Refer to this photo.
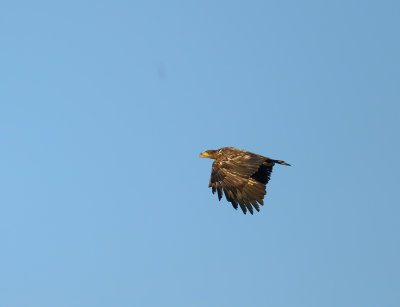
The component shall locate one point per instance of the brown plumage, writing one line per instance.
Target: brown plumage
(241, 175)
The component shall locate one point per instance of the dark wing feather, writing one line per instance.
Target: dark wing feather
(242, 178)
(263, 173)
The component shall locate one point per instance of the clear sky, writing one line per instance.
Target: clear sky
(105, 107)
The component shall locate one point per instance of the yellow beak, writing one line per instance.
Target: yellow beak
(204, 155)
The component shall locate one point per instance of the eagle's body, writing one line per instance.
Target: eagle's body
(241, 175)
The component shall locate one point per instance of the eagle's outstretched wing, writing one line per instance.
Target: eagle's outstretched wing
(242, 178)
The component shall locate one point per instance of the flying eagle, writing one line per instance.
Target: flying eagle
(241, 175)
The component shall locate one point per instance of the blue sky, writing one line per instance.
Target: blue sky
(105, 107)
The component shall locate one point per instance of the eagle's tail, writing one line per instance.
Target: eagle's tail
(281, 162)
